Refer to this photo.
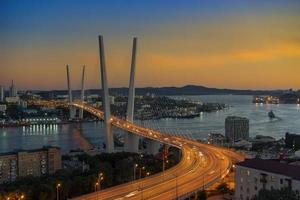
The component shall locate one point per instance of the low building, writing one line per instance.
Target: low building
(216, 139)
(13, 100)
(2, 91)
(36, 162)
(236, 128)
(242, 144)
(3, 108)
(41, 120)
(263, 139)
(255, 174)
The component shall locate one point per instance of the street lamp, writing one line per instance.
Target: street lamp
(57, 192)
(176, 186)
(98, 183)
(134, 169)
(96, 186)
(141, 189)
(142, 168)
(100, 178)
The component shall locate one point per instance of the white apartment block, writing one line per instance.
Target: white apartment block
(256, 174)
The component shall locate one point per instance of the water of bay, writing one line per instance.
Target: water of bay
(87, 135)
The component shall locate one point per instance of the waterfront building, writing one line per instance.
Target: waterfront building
(255, 174)
(36, 162)
(236, 128)
(262, 139)
(40, 119)
(2, 108)
(13, 90)
(216, 139)
(242, 144)
(13, 100)
(1, 93)
(23, 104)
(112, 100)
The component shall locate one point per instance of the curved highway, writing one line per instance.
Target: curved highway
(201, 165)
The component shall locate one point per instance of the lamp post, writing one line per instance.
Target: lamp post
(96, 186)
(134, 170)
(164, 164)
(141, 168)
(176, 185)
(57, 191)
(100, 178)
(141, 188)
(220, 173)
(203, 182)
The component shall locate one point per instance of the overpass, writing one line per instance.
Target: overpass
(201, 165)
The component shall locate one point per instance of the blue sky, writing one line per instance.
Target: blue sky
(41, 35)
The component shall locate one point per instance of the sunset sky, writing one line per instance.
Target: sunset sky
(216, 43)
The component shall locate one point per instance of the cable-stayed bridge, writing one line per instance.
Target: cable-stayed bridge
(201, 165)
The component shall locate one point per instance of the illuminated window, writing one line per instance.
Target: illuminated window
(273, 178)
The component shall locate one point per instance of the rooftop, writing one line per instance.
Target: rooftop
(44, 148)
(273, 166)
(236, 118)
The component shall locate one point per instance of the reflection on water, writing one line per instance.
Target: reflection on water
(66, 136)
(86, 135)
(40, 129)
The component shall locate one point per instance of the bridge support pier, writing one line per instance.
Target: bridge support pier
(152, 146)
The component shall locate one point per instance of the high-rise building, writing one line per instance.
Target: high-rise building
(13, 90)
(1, 93)
(36, 162)
(236, 128)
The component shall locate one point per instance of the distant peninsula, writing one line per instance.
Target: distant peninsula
(185, 90)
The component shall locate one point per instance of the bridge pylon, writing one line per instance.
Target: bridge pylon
(71, 109)
(82, 91)
(105, 99)
(131, 140)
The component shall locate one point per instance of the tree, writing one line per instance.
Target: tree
(201, 195)
(281, 194)
(223, 188)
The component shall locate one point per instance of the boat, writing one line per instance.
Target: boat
(271, 114)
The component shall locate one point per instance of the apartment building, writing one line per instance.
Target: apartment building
(36, 162)
(255, 174)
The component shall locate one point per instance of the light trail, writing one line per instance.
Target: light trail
(201, 165)
(188, 176)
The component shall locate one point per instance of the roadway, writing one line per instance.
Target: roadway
(201, 165)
